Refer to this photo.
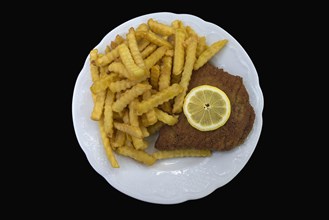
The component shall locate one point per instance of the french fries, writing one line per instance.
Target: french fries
(187, 73)
(140, 82)
(206, 55)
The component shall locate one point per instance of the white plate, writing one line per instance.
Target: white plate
(174, 180)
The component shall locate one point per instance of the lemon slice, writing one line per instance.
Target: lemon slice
(207, 108)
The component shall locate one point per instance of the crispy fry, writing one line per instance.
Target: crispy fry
(177, 24)
(155, 128)
(132, 43)
(102, 84)
(158, 98)
(179, 52)
(129, 95)
(119, 68)
(138, 155)
(98, 106)
(129, 63)
(154, 57)
(108, 114)
(149, 118)
(142, 27)
(164, 80)
(138, 143)
(93, 68)
(108, 58)
(108, 48)
(160, 28)
(206, 55)
(155, 73)
(153, 38)
(190, 32)
(102, 72)
(187, 73)
(181, 153)
(169, 53)
(122, 85)
(142, 44)
(131, 130)
(119, 140)
(107, 146)
(165, 118)
(119, 39)
(148, 50)
(202, 46)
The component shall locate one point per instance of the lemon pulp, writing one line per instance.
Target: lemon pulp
(207, 108)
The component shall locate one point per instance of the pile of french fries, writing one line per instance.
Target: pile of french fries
(139, 84)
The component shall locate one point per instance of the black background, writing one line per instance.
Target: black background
(286, 176)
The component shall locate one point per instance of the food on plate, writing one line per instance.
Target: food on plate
(183, 136)
(139, 84)
(207, 108)
(181, 153)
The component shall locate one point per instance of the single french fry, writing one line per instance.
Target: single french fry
(148, 50)
(153, 38)
(119, 39)
(155, 73)
(158, 98)
(160, 28)
(164, 80)
(118, 67)
(131, 130)
(108, 114)
(93, 68)
(103, 83)
(206, 55)
(142, 27)
(142, 44)
(119, 140)
(169, 53)
(107, 145)
(165, 118)
(191, 32)
(129, 63)
(108, 58)
(154, 57)
(98, 106)
(181, 153)
(102, 72)
(132, 43)
(122, 85)
(138, 143)
(177, 24)
(179, 53)
(138, 155)
(149, 118)
(108, 48)
(202, 46)
(129, 95)
(187, 73)
(155, 128)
